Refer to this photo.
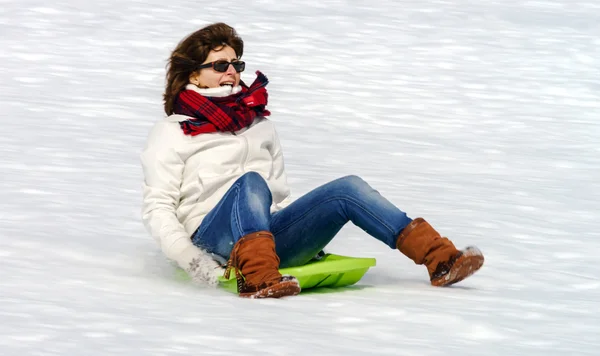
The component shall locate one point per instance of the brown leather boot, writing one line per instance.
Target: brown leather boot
(257, 268)
(446, 265)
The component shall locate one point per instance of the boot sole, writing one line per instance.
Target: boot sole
(281, 289)
(465, 265)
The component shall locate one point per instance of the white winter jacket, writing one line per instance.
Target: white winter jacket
(186, 176)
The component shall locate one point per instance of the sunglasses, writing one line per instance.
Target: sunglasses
(221, 66)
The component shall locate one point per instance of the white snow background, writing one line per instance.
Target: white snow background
(481, 116)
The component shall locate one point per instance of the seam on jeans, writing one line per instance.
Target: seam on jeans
(236, 213)
(391, 230)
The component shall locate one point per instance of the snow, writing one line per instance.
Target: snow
(481, 116)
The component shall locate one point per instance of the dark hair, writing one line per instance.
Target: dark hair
(192, 51)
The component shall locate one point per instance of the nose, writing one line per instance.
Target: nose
(230, 69)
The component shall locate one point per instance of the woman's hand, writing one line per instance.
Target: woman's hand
(204, 270)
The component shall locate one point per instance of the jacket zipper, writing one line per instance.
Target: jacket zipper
(245, 155)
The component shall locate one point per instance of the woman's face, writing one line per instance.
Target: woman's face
(210, 78)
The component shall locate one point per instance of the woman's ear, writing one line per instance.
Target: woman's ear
(193, 78)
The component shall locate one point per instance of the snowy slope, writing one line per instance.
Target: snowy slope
(481, 116)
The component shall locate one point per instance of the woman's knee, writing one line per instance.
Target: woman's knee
(351, 186)
(255, 183)
(353, 183)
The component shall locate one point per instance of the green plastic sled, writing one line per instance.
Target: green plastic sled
(330, 271)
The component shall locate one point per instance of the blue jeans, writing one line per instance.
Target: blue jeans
(303, 228)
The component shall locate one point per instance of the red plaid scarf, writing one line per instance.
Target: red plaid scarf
(225, 114)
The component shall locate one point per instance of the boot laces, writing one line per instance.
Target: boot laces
(232, 263)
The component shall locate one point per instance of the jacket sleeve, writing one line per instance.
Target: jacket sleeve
(163, 172)
(281, 198)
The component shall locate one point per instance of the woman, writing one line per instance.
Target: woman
(216, 192)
